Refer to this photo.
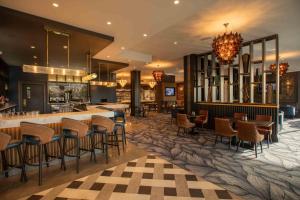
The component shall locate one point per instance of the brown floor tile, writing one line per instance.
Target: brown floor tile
(149, 165)
(97, 186)
(223, 194)
(169, 177)
(168, 166)
(120, 188)
(75, 184)
(106, 173)
(131, 164)
(190, 177)
(147, 176)
(126, 174)
(196, 193)
(170, 191)
(144, 190)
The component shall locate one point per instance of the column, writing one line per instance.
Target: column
(135, 92)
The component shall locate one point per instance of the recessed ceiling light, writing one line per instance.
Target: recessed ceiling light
(145, 35)
(175, 43)
(35, 57)
(123, 48)
(108, 23)
(1, 52)
(176, 2)
(65, 46)
(55, 5)
(32, 47)
(107, 56)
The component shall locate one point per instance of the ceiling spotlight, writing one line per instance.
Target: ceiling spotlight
(55, 5)
(176, 2)
(145, 35)
(107, 56)
(123, 48)
(65, 46)
(108, 23)
(175, 43)
(32, 47)
(34, 57)
(1, 52)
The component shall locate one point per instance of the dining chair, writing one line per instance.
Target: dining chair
(202, 118)
(247, 131)
(120, 122)
(239, 116)
(223, 129)
(266, 131)
(184, 124)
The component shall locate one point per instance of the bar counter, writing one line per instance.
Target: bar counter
(11, 126)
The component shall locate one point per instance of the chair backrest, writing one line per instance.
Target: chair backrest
(119, 115)
(43, 132)
(182, 119)
(203, 112)
(223, 127)
(104, 122)
(239, 116)
(75, 126)
(4, 141)
(174, 112)
(266, 118)
(247, 131)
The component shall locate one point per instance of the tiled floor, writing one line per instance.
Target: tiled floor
(275, 174)
(146, 178)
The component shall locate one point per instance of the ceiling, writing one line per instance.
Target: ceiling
(191, 25)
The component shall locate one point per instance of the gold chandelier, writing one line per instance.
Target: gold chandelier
(283, 68)
(152, 84)
(227, 46)
(122, 82)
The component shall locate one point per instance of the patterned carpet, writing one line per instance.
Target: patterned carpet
(146, 178)
(275, 174)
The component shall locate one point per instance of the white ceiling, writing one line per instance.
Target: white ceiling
(192, 24)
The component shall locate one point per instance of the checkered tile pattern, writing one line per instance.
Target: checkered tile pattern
(146, 178)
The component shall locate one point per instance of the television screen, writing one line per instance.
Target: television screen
(170, 91)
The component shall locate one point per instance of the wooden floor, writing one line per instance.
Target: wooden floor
(12, 188)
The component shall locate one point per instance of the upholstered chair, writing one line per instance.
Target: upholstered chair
(76, 130)
(40, 136)
(223, 129)
(184, 124)
(106, 128)
(7, 143)
(247, 131)
(202, 118)
(266, 131)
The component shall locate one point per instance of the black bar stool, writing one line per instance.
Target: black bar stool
(40, 135)
(76, 130)
(107, 128)
(120, 121)
(7, 143)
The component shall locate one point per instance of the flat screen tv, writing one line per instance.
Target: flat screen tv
(169, 91)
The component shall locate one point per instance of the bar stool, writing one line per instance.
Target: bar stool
(120, 121)
(40, 135)
(106, 128)
(76, 130)
(7, 143)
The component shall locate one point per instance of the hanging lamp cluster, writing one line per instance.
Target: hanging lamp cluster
(227, 46)
(158, 75)
(152, 84)
(122, 82)
(283, 68)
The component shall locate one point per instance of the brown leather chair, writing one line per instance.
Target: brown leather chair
(7, 143)
(266, 131)
(202, 118)
(41, 136)
(184, 124)
(223, 129)
(76, 130)
(247, 131)
(239, 116)
(106, 128)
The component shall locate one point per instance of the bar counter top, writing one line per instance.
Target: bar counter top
(56, 117)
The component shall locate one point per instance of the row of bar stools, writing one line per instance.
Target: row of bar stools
(120, 121)
(76, 130)
(106, 128)
(7, 143)
(41, 136)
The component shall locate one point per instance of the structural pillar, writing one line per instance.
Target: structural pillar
(135, 92)
(190, 64)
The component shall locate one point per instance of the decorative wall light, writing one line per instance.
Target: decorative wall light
(283, 68)
(152, 84)
(122, 82)
(227, 46)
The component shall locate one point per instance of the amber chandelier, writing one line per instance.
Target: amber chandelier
(283, 68)
(158, 75)
(227, 46)
(152, 84)
(122, 82)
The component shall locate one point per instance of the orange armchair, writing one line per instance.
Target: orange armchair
(202, 118)
(223, 129)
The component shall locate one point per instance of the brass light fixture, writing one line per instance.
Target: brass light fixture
(283, 68)
(158, 74)
(227, 46)
(103, 83)
(91, 75)
(122, 82)
(152, 84)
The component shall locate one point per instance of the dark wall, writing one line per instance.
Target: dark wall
(17, 77)
(290, 89)
(3, 77)
(100, 92)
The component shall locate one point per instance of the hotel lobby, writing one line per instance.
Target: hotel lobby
(139, 99)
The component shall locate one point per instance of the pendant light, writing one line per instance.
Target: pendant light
(158, 74)
(91, 75)
(152, 84)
